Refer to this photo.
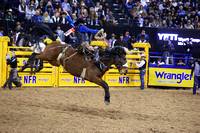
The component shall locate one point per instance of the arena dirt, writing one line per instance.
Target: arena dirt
(82, 109)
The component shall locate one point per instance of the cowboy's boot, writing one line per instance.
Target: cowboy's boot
(23, 67)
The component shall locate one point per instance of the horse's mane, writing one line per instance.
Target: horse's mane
(112, 52)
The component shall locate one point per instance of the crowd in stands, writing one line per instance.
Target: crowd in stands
(147, 13)
(183, 14)
(95, 13)
(165, 13)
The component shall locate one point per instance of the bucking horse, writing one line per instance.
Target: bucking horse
(79, 65)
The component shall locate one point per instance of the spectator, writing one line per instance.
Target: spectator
(30, 13)
(55, 18)
(104, 21)
(127, 36)
(146, 22)
(66, 5)
(189, 25)
(1, 31)
(193, 22)
(133, 12)
(142, 37)
(142, 68)
(63, 19)
(180, 63)
(56, 5)
(32, 2)
(181, 25)
(129, 6)
(60, 33)
(13, 72)
(92, 15)
(131, 41)
(37, 17)
(111, 42)
(89, 3)
(12, 36)
(198, 26)
(72, 40)
(188, 50)
(50, 11)
(168, 51)
(158, 21)
(109, 16)
(9, 15)
(164, 24)
(141, 9)
(111, 22)
(88, 21)
(140, 20)
(174, 21)
(153, 24)
(22, 11)
(74, 18)
(181, 12)
(171, 25)
(99, 14)
(96, 22)
(158, 62)
(75, 9)
(196, 70)
(121, 42)
(42, 7)
(97, 7)
(46, 18)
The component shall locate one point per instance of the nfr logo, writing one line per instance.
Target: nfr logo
(78, 80)
(29, 79)
(123, 80)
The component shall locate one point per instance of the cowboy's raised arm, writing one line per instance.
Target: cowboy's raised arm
(86, 30)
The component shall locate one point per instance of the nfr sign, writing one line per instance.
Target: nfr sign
(29, 79)
(124, 80)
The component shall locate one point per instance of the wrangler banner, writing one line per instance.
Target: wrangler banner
(170, 77)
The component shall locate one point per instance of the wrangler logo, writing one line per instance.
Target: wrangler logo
(173, 76)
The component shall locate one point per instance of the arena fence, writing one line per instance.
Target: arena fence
(56, 76)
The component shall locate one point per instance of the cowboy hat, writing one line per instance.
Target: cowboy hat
(79, 20)
(113, 35)
(9, 10)
(142, 55)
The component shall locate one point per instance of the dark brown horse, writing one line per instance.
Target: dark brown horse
(74, 63)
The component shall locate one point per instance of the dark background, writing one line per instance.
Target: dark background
(156, 45)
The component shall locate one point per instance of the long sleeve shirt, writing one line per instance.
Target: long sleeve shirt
(141, 63)
(12, 62)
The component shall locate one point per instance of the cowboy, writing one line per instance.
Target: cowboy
(13, 72)
(81, 32)
(142, 68)
(38, 49)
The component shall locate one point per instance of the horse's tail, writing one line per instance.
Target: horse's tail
(40, 29)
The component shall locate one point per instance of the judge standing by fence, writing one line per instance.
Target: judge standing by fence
(142, 68)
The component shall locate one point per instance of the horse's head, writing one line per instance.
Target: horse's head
(119, 55)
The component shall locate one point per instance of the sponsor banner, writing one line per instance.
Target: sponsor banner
(70, 80)
(37, 80)
(170, 77)
(123, 80)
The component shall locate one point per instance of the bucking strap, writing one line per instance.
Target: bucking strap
(61, 55)
(85, 68)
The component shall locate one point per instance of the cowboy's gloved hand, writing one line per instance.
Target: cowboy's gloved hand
(101, 30)
(7, 56)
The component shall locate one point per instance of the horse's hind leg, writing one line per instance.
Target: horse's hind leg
(105, 86)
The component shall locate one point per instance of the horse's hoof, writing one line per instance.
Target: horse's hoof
(107, 103)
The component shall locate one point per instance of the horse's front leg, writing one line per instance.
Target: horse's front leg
(105, 86)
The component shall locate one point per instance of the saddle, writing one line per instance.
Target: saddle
(86, 52)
